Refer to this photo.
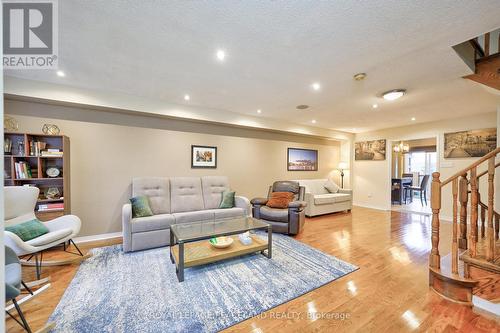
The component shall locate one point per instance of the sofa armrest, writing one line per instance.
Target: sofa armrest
(297, 205)
(126, 227)
(259, 201)
(309, 198)
(242, 202)
(345, 190)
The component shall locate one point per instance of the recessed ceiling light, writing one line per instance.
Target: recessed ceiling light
(316, 86)
(187, 97)
(61, 74)
(313, 121)
(221, 55)
(302, 107)
(375, 106)
(413, 119)
(259, 111)
(392, 95)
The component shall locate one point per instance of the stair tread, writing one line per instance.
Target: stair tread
(480, 258)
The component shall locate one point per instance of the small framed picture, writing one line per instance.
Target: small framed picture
(302, 159)
(203, 157)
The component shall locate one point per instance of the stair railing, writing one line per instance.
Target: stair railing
(462, 238)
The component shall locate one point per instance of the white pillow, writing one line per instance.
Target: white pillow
(331, 187)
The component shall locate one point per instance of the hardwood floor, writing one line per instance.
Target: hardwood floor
(389, 293)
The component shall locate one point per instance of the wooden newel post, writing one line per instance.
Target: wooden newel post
(434, 257)
(463, 197)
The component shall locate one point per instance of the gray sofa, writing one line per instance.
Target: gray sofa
(175, 200)
(320, 201)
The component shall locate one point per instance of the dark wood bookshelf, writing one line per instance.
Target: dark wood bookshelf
(38, 166)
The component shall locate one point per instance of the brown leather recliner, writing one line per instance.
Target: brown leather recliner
(287, 220)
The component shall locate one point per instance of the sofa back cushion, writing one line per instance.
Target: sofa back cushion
(186, 194)
(212, 187)
(157, 189)
(314, 186)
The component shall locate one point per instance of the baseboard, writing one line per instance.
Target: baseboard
(486, 305)
(371, 207)
(93, 238)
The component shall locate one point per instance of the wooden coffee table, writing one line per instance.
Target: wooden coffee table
(190, 246)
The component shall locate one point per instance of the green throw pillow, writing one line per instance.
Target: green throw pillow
(140, 207)
(227, 200)
(28, 230)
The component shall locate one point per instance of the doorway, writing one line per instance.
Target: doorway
(413, 162)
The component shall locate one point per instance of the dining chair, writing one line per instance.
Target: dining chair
(422, 189)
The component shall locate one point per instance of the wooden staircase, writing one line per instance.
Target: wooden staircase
(473, 266)
(482, 55)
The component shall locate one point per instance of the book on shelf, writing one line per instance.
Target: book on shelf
(23, 170)
(50, 207)
(51, 152)
(35, 147)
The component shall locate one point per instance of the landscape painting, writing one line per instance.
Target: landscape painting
(302, 159)
(370, 150)
(475, 143)
(203, 157)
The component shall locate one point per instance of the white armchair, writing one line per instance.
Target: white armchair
(20, 202)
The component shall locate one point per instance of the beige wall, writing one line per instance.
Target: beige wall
(372, 179)
(108, 149)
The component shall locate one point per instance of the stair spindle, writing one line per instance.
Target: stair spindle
(464, 198)
(497, 226)
(474, 213)
(483, 218)
(454, 244)
(490, 245)
(434, 257)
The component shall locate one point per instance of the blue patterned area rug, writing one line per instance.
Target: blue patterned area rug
(139, 292)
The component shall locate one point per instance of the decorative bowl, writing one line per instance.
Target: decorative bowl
(221, 242)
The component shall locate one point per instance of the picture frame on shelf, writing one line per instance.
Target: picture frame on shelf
(203, 157)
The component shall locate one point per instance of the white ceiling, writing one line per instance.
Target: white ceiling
(161, 50)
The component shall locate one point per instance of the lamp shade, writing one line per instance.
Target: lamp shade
(343, 165)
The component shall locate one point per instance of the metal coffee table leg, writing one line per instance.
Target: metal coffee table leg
(171, 246)
(269, 242)
(180, 264)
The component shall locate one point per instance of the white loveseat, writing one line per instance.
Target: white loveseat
(320, 201)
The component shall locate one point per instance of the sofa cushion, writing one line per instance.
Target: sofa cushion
(28, 230)
(194, 216)
(274, 214)
(227, 200)
(212, 187)
(149, 223)
(51, 237)
(322, 199)
(157, 189)
(280, 199)
(140, 206)
(314, 186)
(186, 194)
(331, 186)
(228, 213)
